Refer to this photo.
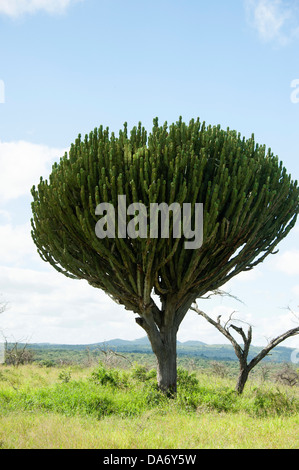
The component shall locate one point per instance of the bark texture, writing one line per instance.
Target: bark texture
(161, 327)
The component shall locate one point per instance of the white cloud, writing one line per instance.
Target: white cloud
(5, 215)
(16, 245)
(247, 276)
(295, 290)
(45, 306)
(195, 327)
(274, 20)
(22, 163)
(263, 329)
(288, 262)
(14, 8)
(279, 324)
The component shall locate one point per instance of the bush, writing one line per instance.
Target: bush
(225, 400)
(75, 397)
(47, 363)
(153, 395)
(65, 376)
(219, 369)
(142, 374)
(186, 381)
(267, 403)
(112, 377)
(287, 376)
(201, 398)
(117, 392)
(187, 389)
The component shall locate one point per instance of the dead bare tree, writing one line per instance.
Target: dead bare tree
(242, 352)
(111, 356)
(18, 354)
(287, 376)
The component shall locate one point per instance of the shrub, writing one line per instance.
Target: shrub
(65, 376)
(274, 402)
(287, 376)
(187, 390)
(219, 369)
(112, 377)
(224, 400)
(47, 363)
(186, 380)
(141, 373)
(153, 395)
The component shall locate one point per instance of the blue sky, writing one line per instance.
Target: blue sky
(68, 66)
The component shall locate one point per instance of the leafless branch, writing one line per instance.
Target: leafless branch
(110, 352)
(242, 353)
(222, 293)
(3, 306)
(293, 313)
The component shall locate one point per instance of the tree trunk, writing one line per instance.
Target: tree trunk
(161, 327)
(242, 379)
(167, 363)
(163, 344)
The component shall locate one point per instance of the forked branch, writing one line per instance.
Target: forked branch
(242, 353)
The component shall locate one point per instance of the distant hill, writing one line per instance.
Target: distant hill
(192, 343)
(144, 341)
(199, 349)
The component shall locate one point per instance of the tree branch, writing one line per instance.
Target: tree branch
(222, 293)
(223, 330)
(274, 342)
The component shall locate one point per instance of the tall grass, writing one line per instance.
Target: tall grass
(151, 430)
(124, 408)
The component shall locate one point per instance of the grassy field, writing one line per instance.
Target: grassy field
(112, 408)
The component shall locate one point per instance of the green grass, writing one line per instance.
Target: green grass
(112, 408)
(151, 430)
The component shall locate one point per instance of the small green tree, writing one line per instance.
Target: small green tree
(249, 200)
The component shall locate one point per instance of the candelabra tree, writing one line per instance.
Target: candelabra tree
(250, 203)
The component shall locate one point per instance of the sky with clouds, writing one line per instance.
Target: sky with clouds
(68, 66)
